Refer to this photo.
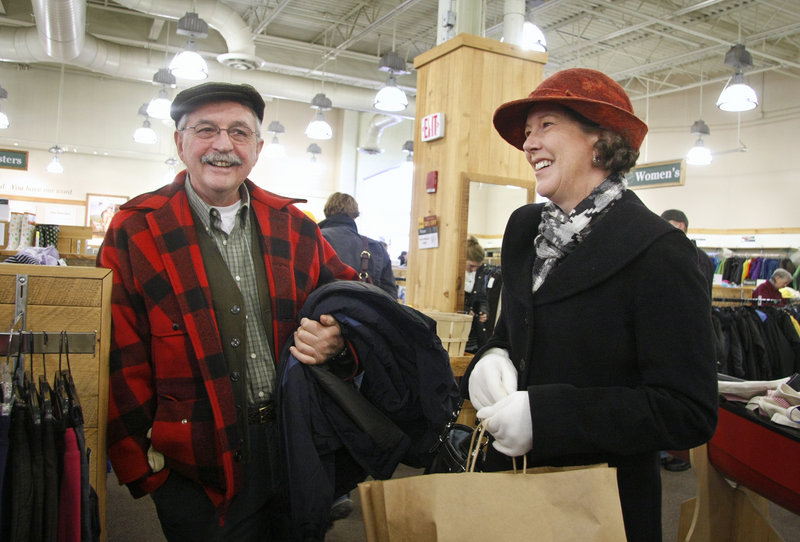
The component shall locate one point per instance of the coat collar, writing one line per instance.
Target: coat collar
(338, 221)
(160, 197)
(626, 231)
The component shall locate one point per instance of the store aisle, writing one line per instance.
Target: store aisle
(129, 520)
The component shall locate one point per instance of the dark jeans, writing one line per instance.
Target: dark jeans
(259, 513)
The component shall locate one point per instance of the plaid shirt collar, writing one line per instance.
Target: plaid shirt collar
(205, 211)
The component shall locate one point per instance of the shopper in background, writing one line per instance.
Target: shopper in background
(770, 289)
(476, 302)
(403, 259)
(678, 219)
(209, 274)
(339, 228)
(602, 352)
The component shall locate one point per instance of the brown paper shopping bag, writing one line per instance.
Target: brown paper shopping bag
(580, 504)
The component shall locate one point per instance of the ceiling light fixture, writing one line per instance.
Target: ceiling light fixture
(319, 128)
(408, 148)
(158, 108)
(391, 97)
(314, 150)
(3, 117)
(172, 164)
(275, 149)
(699, 155)
(55, 165)
(533, 38)
(188, 64)
(145, 134)
(737, 96)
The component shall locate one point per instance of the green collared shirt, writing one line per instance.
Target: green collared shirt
(238, 256)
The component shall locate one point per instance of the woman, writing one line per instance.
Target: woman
(602, 351)
(771, 289)
(476, 302)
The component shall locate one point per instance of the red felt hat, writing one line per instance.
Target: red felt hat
(591, 93)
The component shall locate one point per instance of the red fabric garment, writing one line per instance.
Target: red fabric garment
(767, 290)
(164, 331)
(69, 510)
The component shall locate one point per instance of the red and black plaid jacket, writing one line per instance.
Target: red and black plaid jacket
(167, 370)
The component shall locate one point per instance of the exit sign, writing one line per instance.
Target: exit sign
(433, 127)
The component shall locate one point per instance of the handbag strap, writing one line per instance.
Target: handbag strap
(363, 275)
(475, 446)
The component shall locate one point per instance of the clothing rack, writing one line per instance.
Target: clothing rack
(43, 342)
(745, 300)
(38, 302)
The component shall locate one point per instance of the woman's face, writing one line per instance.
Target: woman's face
(561, 153)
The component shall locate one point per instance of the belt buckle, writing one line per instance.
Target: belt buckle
(264, 413)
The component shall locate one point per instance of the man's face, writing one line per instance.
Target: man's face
(680, 225)
(782, 282)
(219, 165)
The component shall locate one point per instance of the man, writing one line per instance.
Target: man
(678, 219)
(209, 274)
(340, 230)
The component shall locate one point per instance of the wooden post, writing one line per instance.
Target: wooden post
(465, 78)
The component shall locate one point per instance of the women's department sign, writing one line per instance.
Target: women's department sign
(657, 174)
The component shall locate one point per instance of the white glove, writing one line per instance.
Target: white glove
(493, 378)
(509, 421)
(154, 458)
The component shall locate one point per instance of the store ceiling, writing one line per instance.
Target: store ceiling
(652, 47)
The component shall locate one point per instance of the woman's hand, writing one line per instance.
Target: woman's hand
(509, 422)
(493, 378)
(317, 342)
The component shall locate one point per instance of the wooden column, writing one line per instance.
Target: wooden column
(466, 78)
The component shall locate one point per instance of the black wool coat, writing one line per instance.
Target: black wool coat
(615, 351)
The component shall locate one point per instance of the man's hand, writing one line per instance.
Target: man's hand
(316, 342)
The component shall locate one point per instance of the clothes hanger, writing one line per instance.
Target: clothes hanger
(33, 397)
(76, 412)
(62, 403)
(45, 391)
(6, 381)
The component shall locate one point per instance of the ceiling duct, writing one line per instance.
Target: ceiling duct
(235, 32)
(372, 140)
(61, 24)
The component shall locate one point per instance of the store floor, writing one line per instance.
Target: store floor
(129, 520)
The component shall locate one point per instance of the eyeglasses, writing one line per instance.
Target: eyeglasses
(238, 134)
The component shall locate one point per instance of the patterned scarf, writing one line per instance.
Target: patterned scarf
(560, 233)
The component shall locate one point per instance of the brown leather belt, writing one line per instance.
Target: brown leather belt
(261, 414)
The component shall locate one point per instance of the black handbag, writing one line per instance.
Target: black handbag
(452, 448)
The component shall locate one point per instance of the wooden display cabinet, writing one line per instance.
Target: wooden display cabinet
(76, 300)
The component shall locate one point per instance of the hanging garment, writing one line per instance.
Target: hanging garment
(69, 510)
(20, 474)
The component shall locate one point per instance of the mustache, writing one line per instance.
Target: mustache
(229, 157)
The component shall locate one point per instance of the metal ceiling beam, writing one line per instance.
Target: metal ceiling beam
(273, 14)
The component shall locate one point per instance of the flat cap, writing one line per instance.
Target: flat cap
(190, 99)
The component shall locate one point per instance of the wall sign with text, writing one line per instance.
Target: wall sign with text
(13, 159)
(432, 127)
(428, 232)
(657, 174)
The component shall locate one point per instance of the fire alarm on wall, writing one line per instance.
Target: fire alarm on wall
(432, 181)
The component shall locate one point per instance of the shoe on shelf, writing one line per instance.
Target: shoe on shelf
(674, 464)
